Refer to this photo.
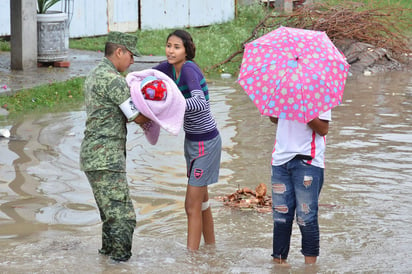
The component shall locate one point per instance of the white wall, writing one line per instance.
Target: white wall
(98, 17)
(203, 13)
(158, 14)
(89, 18)
(123, 15)
(4, 17)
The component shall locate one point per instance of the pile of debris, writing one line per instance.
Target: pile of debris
(247, 199)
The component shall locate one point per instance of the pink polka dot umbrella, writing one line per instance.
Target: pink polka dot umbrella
(293, 74)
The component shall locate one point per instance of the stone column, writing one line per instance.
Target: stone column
(284, 5)
(23, 14)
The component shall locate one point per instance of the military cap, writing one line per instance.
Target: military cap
(124, 39)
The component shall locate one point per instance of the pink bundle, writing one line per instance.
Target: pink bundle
(167, 113)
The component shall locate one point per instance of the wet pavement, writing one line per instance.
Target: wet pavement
(81, 62)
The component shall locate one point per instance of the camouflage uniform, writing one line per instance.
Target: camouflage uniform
(103, 157)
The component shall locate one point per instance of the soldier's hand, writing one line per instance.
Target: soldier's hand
(141, 119)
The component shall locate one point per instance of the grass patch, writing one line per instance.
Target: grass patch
(88, 43)
(4, 45)
(53, 97)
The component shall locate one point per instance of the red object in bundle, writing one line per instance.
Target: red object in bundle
(155, 90)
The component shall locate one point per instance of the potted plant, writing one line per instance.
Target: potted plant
(44, 5)
(52, 33)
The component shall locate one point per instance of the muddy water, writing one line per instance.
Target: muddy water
(49, 221)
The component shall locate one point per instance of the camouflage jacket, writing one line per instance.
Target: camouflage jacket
(104, 143)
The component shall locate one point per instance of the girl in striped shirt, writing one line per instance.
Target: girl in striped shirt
(202, 145)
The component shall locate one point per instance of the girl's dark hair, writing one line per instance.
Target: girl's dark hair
(188, 43)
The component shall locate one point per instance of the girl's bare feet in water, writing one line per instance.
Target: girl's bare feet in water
(281, 262)
(310, 259)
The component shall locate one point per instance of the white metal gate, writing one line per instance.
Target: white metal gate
(98, 17)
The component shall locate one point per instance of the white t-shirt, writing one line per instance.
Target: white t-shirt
(294, 138)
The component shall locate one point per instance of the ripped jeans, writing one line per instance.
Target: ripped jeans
(295, 188)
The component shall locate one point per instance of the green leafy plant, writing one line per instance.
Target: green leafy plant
(44, 5)
(4, 45)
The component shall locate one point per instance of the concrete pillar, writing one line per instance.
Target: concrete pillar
(284, 5)
(289, 6)
(23, 40)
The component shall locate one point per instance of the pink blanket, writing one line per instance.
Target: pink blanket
(167, 114)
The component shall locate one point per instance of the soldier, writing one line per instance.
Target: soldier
(103, 150)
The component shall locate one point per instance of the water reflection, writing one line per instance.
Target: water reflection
(368, 173)
(49, 220)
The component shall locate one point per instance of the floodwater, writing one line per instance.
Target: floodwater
(49, 222)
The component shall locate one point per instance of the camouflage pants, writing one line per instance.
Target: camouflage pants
(111, 192)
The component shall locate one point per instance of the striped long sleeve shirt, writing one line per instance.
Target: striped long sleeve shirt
(199, 123)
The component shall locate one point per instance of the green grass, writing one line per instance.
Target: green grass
(52, 97)
(4, 45)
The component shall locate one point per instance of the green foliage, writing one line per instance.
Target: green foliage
(46, 98)
(88, 43)
(4, 45)
(44, 5)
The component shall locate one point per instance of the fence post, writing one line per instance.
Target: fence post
(284, 5)
(23, 38)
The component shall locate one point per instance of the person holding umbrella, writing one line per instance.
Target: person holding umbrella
(297, 179)
(295, 76)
